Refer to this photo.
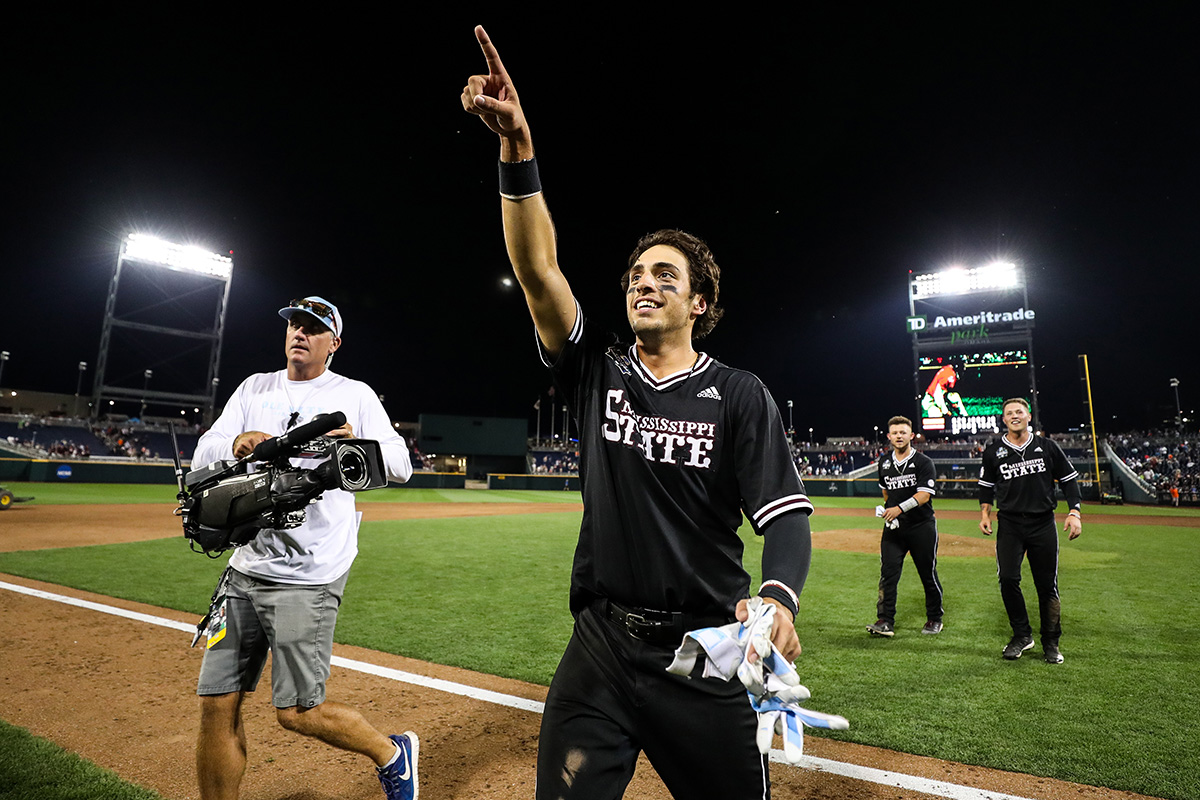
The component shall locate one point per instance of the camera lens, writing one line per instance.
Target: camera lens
(353, 465)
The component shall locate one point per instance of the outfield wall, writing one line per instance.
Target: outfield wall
(566, 483)
(815, 485)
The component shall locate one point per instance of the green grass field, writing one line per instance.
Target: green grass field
(35, 769)
(1118, 713)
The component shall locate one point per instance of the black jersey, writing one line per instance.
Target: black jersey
(903, 479)
(667, 468)
(1020, 480)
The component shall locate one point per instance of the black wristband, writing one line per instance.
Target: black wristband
(519, 179)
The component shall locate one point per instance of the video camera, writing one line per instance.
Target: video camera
(224, 505)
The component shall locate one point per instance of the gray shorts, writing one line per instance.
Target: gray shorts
(294, 622)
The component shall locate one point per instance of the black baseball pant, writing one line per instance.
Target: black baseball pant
(1035, 536)
(921, 540)
(612, 698)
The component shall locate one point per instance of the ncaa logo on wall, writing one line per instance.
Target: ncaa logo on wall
(916, 323)
(64, 471)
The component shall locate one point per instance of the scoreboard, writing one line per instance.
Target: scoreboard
(964, 393)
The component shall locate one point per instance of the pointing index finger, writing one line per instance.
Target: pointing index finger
(495, 65)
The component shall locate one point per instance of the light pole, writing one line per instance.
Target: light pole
(3, 358)
(810, 435)
(210, 409)
(1178, 410)
(876, 434)
(148, 374)
(79, 385)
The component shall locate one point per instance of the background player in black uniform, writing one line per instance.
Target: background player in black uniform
(909, 482)
(1019, 471)
(674, 447)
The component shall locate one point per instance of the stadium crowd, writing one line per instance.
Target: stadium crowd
(833, 461)
(1166, 461)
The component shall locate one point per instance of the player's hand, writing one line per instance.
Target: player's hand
(245, 443)
(492, 97)
(1073, 527)
(890, 514)
(985, 525)
(344, 432)
(783, 630)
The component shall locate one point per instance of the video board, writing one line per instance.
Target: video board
(964, 393)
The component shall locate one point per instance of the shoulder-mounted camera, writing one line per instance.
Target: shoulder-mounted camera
(224, 505)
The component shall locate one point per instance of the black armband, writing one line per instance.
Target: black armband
(787, 553)
(1071, 492)
(519, 179)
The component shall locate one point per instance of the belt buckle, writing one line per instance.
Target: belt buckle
(632, 619)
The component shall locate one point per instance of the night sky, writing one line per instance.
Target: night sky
(822, 155)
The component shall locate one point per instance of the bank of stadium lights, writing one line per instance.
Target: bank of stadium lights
(996, 276)
(184, 258)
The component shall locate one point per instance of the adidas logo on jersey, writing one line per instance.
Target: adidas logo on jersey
(1037, 449)
(711, 393)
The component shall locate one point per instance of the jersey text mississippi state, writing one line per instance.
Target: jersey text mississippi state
(660, 439)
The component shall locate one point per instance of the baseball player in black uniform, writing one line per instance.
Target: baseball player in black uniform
(909, 483)
(674, 447)
(1018, 475)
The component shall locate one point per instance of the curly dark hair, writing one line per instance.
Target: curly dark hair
(703, 273)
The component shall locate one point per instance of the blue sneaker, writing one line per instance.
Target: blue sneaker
(399, 779)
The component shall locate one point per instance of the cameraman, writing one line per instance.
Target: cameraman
(285, 586)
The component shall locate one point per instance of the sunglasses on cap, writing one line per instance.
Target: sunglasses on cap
(313, 307)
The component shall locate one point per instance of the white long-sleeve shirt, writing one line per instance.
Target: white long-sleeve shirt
(323, 548)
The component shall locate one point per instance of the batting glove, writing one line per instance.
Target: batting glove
(771, 682)
(785, 717)
(891, 525)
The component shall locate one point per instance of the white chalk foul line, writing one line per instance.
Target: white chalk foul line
(899, 780)
(441, 685)
(103, 609)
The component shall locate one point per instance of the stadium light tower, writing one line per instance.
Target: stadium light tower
(996, 276)
(198, 272)
(3, 361)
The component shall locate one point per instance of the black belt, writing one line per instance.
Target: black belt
(1027, 514)
(656, 627)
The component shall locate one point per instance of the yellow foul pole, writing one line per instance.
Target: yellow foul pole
(1087, 379)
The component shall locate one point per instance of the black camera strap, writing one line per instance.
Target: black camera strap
(214, 604)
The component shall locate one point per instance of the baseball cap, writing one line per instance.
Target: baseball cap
(317, 307)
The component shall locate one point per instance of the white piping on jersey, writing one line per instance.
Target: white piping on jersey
(703, 360)
(1019, 448)
(577, 330)
(793, 502)
(901, 463)
(574, 336)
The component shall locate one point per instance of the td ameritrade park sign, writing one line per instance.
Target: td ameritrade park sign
(968, 328)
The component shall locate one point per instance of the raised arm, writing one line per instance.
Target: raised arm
(528, 230)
